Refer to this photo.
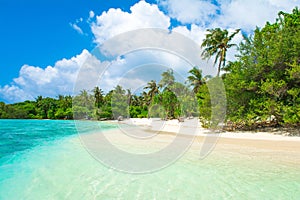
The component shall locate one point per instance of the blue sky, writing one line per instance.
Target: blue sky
(38, 32)
(49, 39)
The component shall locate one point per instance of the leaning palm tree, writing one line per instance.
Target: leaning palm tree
(195, 79)
(153, 90)
(217, 42)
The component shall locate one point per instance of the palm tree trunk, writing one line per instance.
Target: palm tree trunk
(219, 67)
(221, 61)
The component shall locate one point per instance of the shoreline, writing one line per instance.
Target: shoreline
(280, 149)
(176, 127)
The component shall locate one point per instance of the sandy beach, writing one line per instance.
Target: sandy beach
(150, 135)
(193, 127)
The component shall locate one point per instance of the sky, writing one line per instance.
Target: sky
(45, 43)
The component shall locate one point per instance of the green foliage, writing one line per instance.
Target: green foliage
(195, 79)
(119, 102)
(98, 95)
(212, 103)
(204, 105)
(263, 84)
(170, 103)
(42, 108)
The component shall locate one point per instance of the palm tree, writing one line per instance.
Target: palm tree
(217, 43)
(195, 79)
(168, 79)
(144, 99)
(98, 95)
(153, 90)
(129, 96)
(84, 98)
(119, 90)
(135, 100)
(119, 102)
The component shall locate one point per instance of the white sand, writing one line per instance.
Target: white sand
(151, 135)
(193, 126)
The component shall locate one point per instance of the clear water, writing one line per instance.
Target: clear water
(45, 160)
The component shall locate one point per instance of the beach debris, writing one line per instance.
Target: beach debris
(120, 118)
(181, 119)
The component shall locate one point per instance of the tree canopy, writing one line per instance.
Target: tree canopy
(216, 43)
(264, 82)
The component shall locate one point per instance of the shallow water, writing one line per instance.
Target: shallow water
(45, 160)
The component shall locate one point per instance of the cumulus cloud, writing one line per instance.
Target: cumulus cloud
(14, 93)
(116, 21)
(245, 14)
(190, 11)
(51, 81)
(195, 33)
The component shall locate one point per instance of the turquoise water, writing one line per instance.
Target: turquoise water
(45, 160)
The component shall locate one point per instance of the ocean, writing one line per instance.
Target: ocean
(45, 159)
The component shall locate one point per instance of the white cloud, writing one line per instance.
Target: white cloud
(116, 21)
(285, 5)
(190, 11)
(247, 15)
(91, 14)
(51, 81)
(76, 28)
(14, 93)
(196, 33)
